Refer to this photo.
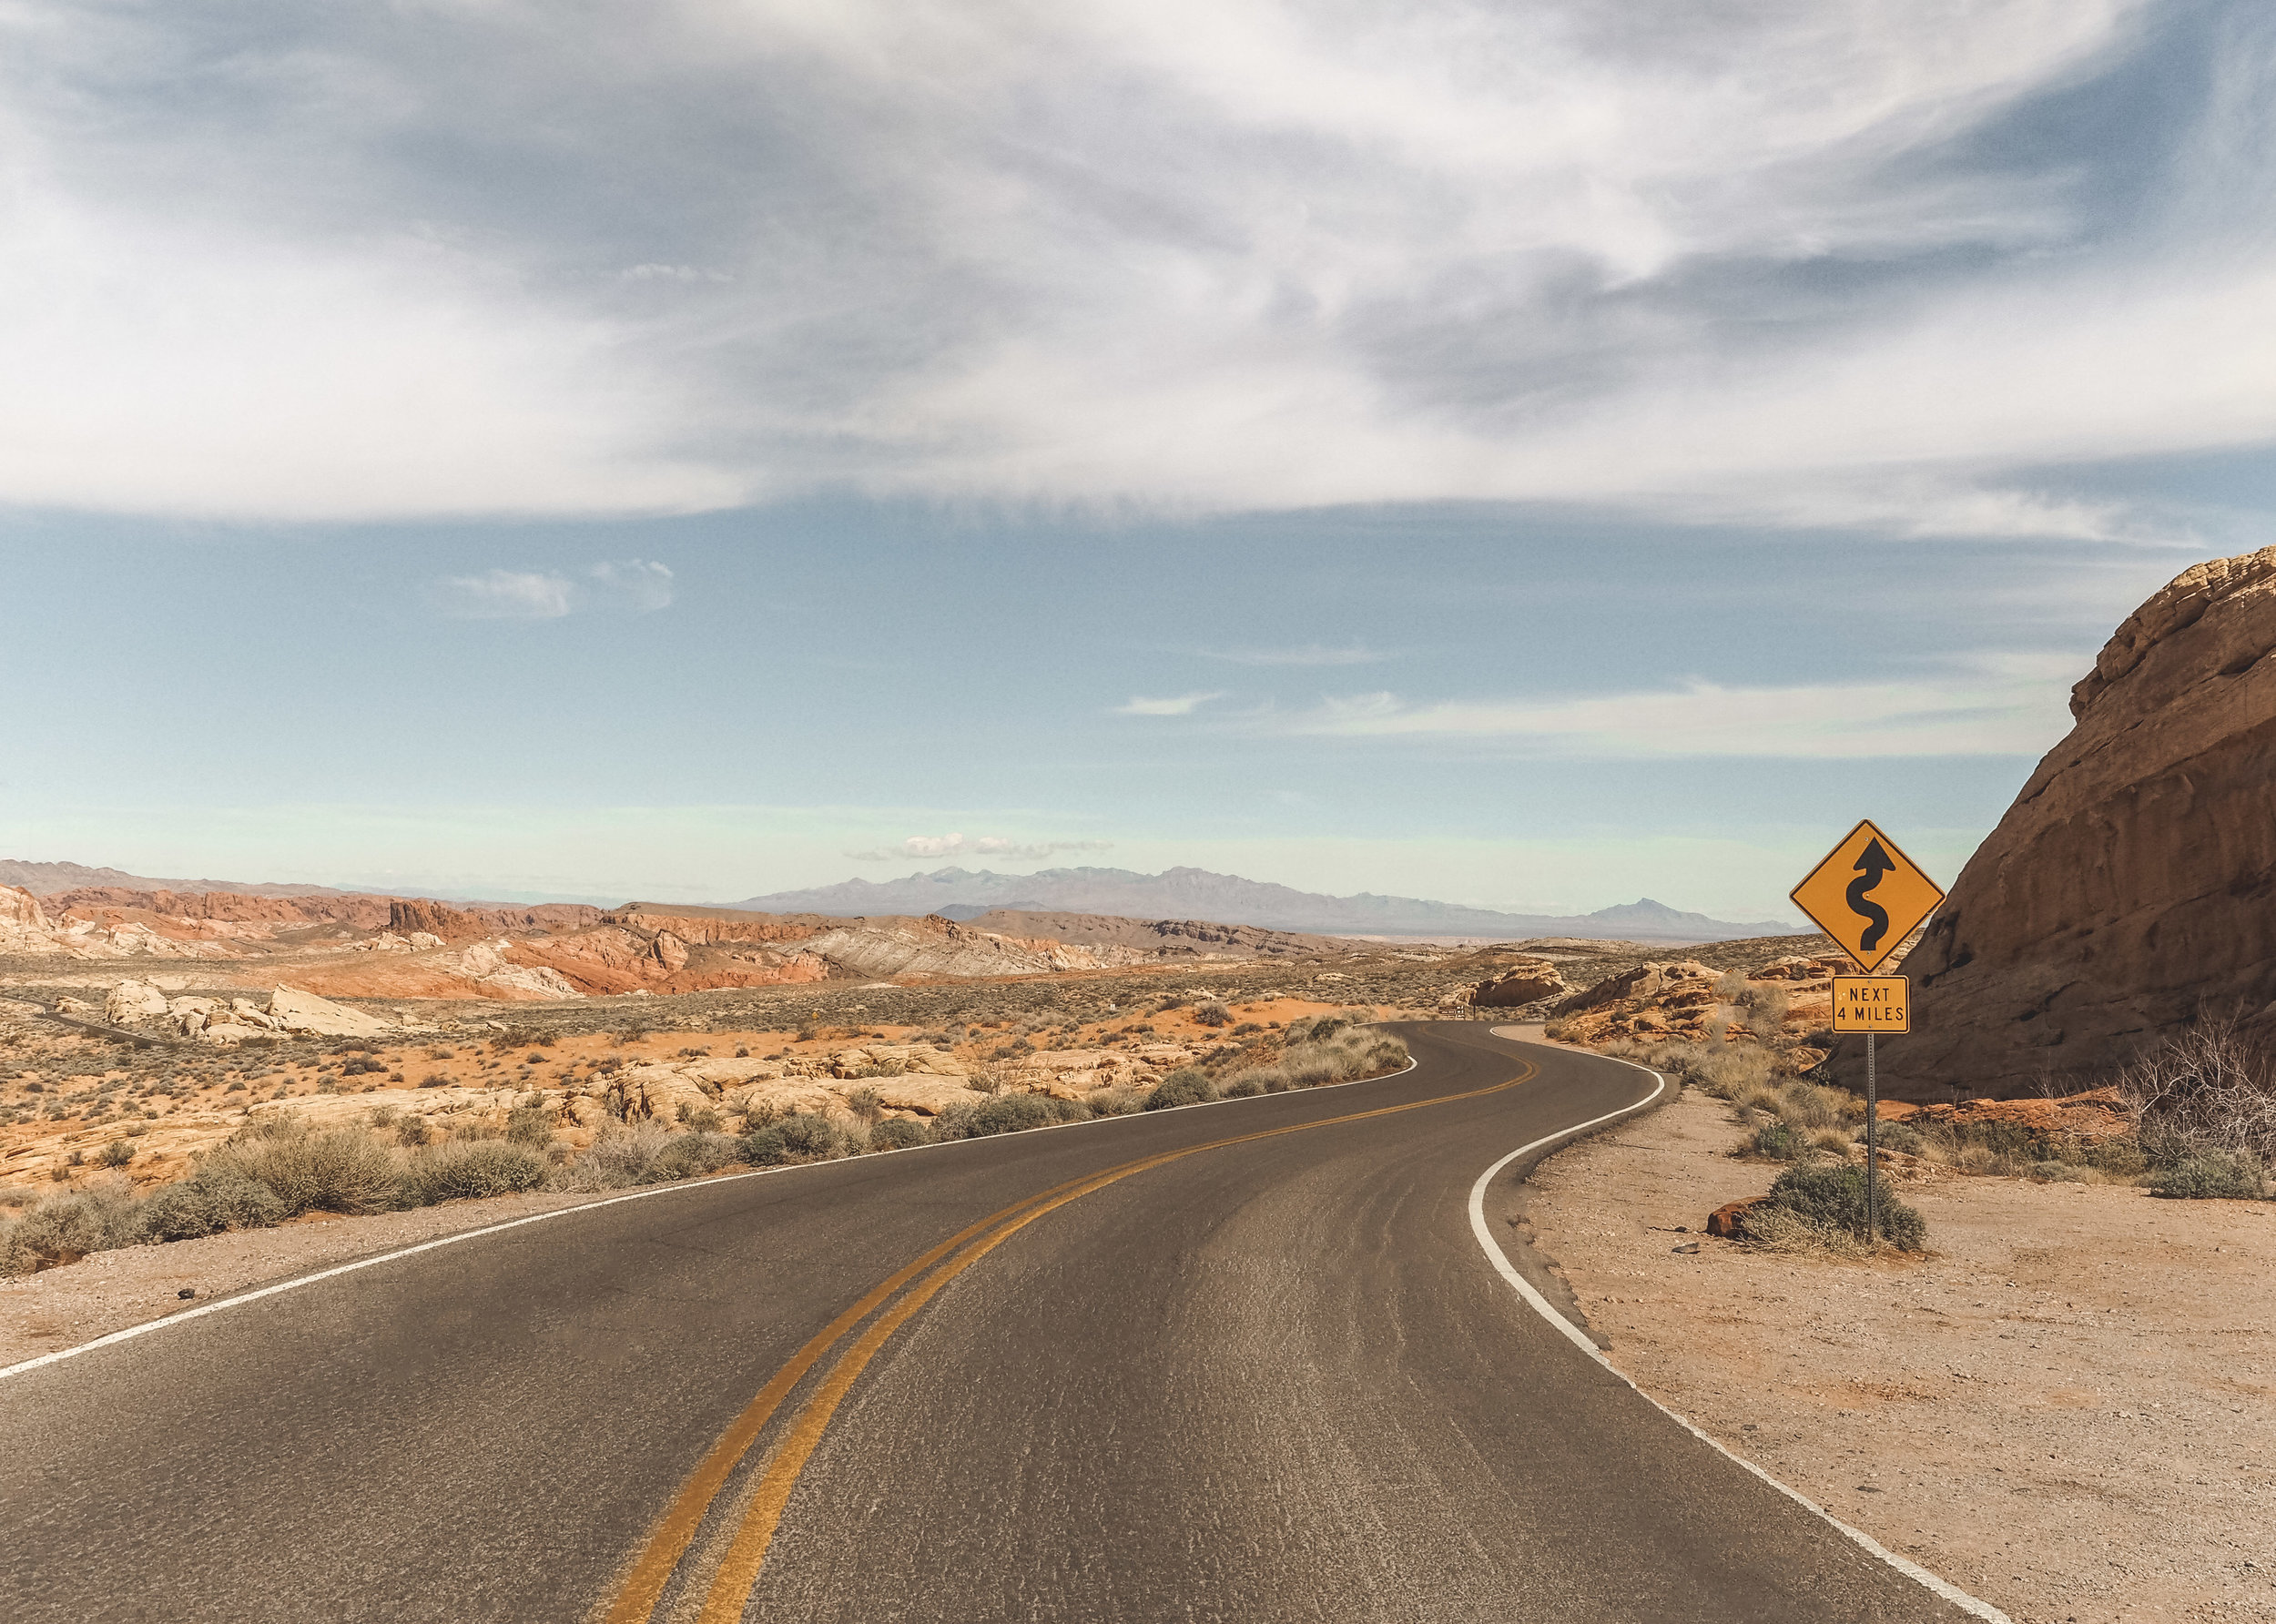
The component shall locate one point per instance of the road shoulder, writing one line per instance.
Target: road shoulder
(111, 1290)
(2063, 1409)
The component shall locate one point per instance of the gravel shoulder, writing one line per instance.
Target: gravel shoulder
(109, 1291)
(2065, 1408)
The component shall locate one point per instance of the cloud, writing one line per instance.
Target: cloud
(1876, 267)
(1310, 654)
(986, 846)
(2000, 706)
(1184, 704)
(505, 595)
(639, 584)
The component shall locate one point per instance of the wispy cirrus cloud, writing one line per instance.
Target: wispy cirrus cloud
(1998, 706)
(639, 584)
(505, 595)
(984, 846)
(1181, 705)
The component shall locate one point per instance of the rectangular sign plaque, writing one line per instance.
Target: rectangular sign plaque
(1871, 1004)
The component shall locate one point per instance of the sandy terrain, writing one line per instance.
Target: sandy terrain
(2065, 1408)
(60, 1308)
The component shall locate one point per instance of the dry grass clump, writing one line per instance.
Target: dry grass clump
(1329, 1050)
(65, 1228)
(1822, 1208)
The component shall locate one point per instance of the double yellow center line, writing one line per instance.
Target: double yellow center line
(737, 1574)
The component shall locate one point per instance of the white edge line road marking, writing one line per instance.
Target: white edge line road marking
(185, 1315)
(1579, 1339)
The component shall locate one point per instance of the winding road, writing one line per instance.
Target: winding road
(1256, 1361)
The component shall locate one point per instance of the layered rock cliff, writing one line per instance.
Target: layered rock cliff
(2133, 882)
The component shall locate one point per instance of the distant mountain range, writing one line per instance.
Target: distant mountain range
(45, 880)
(1227, 898)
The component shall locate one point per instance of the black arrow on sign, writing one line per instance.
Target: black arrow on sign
(1872, 864)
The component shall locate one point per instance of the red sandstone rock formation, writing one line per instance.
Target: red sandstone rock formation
(405, 916)
(2133, 882)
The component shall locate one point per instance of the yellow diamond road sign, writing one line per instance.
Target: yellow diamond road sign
(1867, 896)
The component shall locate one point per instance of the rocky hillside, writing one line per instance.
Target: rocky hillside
(2133, 882)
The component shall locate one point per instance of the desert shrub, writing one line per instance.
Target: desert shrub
(1319, 1028)
(1832, 1140)
(1897, 1136)
(762, 1146)
(116, 1153)
(361, 1066)
(210, 1200)
(413, 1131)
(620, 1155)
(896, 1133)
(471, 1167)
(345, 1169)
(65, 1228)
(698, 1119)
(805, 1134)
(2213, 1175)
(691, 1155)
(1245, 1028)
(1011, 1114)
(532, 1125)
(1774, 1139)
(865, 1102)
(1242, 1087)
(2210, 1090)
(1188, 1085)
(1108, 1102)
(1213, 1014)
(1832, 1197)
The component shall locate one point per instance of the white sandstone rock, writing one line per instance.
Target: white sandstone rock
(133, 1001)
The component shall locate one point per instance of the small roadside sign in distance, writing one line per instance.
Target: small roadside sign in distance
(1867, 896)
(1871, 1004)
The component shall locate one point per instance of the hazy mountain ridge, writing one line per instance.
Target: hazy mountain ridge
(1198, 894)
(46, 879)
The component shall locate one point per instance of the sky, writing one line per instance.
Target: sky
(1532, 456)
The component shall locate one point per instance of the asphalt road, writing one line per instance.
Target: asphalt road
(1246, 1363)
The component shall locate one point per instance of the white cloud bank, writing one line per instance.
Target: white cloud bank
(1768, 262)
(2003, 706)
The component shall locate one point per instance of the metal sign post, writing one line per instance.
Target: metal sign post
(1872, 1156)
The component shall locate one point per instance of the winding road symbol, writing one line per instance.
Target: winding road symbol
(1867, 895)
(1872, 864)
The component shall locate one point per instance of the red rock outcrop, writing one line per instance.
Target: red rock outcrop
(407, 914)
(2098, 1114)
(2133, 882)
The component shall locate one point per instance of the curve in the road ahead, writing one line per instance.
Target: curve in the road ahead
(1278, 1384)
(730, 1591)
